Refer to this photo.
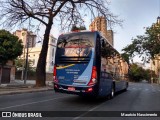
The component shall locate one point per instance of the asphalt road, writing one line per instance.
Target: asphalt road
(139, 97)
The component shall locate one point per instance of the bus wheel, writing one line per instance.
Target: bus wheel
(112, 93)
(126, 87)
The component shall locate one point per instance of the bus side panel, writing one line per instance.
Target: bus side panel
(120, 85)
(105, 87)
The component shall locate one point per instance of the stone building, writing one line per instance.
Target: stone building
(100, 24)
(26, 36)
(155, 64)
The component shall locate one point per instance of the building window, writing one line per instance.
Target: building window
(52, 52)
(32, 62)
(53, 40)
(52, 63)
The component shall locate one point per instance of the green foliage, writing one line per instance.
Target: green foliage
(147, 45)
(133, 74)
(20, 65)
(137, 73)
(125, 57)
(10, 46)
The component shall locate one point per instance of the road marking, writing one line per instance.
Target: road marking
(152, 86)
(146, 89)
(88, 111)
(154, 90)
(31, 103)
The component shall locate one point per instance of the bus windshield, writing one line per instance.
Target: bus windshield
(75, 45)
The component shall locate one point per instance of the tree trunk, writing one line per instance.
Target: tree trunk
(41, 65)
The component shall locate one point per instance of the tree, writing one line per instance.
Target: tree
(46, 12)
(20, 62)
(146, 46)
(10, 47)
(137, 73)
(125, 57)
(148, 74)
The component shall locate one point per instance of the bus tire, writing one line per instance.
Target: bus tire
(111, 95)
(126, 87)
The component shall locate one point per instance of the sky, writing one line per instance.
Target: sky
(137, 15)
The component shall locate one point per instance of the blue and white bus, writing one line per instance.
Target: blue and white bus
(87, 65)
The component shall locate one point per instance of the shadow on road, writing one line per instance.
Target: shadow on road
(88, 100)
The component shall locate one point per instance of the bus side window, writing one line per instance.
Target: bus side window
(106, 75)
(102, 42)
(110, 76)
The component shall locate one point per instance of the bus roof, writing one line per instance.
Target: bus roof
(81, 31)
(78, 31)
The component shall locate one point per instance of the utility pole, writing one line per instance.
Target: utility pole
(22, 75)
(26, 62)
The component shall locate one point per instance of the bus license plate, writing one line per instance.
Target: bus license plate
(71, 88)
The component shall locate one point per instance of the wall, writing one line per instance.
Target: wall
(100, 24)
(11, 73)
(49, 76)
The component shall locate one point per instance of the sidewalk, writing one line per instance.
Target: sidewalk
(18, 86)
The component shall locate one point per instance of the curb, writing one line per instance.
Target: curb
(21, 91)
